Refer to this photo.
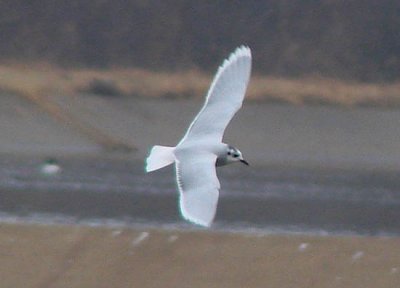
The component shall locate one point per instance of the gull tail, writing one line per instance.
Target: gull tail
(159, 157)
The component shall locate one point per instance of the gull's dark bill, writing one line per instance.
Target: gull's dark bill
(244, 162)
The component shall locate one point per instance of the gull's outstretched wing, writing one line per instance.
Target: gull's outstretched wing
(198, 186)
(224, 97)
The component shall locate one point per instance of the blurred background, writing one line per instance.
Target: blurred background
(352, 40)
(87, 87)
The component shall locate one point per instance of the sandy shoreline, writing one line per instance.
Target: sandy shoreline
(78, 256)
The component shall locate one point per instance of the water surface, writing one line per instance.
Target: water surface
(268, 199)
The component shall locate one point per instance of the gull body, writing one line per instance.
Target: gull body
(201, 149)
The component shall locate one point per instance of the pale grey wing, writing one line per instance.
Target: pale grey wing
(198, 186)
(224, 97)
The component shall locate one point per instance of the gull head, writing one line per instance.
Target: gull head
(233, 155)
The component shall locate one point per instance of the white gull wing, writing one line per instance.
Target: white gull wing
(198, 185)
(224, 98)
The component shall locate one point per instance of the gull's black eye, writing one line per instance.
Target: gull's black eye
(236, 155)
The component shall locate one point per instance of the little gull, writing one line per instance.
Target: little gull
(202, 149)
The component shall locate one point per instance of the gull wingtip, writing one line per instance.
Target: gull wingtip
(243, 50)
(206, 223)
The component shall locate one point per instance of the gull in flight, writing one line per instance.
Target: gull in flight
(202, 149)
